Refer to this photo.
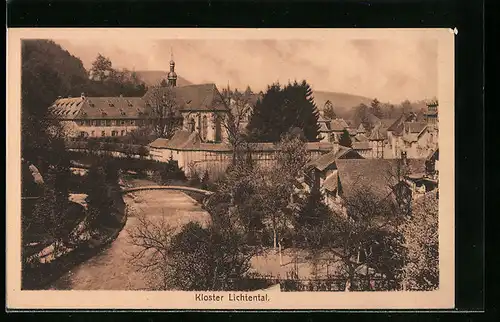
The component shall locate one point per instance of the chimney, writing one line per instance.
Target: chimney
(82, 95)
(121, 95)
(59, 97)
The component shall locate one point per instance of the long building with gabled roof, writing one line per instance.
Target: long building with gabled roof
(201, 108)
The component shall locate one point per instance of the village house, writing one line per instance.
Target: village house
(192, 154)
(414, 134)
(340, 173)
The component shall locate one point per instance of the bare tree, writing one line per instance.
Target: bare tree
(240, 107)
(362, 239)
(163, 109)
(194, 258)
(421, 241)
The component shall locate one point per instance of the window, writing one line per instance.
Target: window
(82, 123)
(204, 127)
(87, 122)
(103, 133)
(114, 133)
(93, 133)
(132, 122)
(103, 122)
(113, 122)
(83, 134)
(122, 122)
(108, 122)
(94, 122)
(123, 132)
(191, 125)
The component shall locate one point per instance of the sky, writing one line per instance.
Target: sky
(391, 70)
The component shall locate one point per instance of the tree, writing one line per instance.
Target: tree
(345, 139)
(329, 111)
(101, 68)
(240, 106)
(162, 105)
(282, 109)
(99, 203)
(361, 237)
(406, 106)
(276, 187)
(391, 110)
(195, 259)
(376, 108)
(421, 241)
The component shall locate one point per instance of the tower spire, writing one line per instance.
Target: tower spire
(172, 76)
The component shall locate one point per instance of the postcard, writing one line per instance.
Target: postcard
(215, 169)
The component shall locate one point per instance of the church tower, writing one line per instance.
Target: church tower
(172, 76)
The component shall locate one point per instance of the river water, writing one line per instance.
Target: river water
(111, 269)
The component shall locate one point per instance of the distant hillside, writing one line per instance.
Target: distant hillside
(345, 105)
(154, 77)
(342, 102)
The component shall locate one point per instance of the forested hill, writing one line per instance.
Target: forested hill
(342, 102)
(48, 71)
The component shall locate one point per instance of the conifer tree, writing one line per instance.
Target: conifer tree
(282, 109)
(345, 139)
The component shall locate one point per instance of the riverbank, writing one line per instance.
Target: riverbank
(41, 275)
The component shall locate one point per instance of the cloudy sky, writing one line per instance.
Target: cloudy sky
(391, 70)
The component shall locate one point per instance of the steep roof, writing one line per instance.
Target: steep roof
(202, 97)
(377, 135)
(414, 127)
(323, 127)
(377, 175)
(98, 108)
(338, 125)
(182, 140)
(331, 183)
(324, 161)
(360, 137)
(397, 127)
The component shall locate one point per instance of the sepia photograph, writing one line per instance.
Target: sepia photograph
(231, 168)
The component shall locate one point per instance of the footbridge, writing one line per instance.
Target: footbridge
(178, 188)
(205, 193)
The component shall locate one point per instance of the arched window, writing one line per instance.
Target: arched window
(191, 125)
(218, 129)
(204, 127)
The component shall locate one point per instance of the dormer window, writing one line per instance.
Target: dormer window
(110, 103)
(104, 113)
